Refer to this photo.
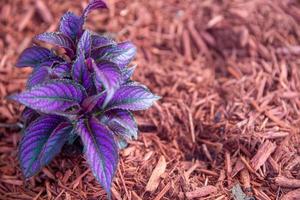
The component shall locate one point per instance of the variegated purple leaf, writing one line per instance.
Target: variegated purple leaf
(90, 102)
(85, 43)
(71, 25)
(132, 98)
(36, 56)
(101, 150)
(99, 41)
(122, 122)
(120, 54)
(39, 75)
(89, 63)
(120, 132)
(62, 70)
(98, 84)
(127, 73)
(54, 97)
(55, 142)
(40, 139)
(80, 71)
(93, 5)
(28, 115)
(58, 39)
(92, 88)
(134, 83)
(110, 76)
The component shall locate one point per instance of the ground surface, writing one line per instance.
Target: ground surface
(229, 75)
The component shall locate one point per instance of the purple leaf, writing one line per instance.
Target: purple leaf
(101, 41)
(127, 73)
(36, 56)
(54, 97)
(132, 98)
(55, 142)
(110, 76)
(92, 87)
(101, 150)
(28, 115)
(58, 39)
(39, 75)
(80, 71)
(98, 85)
(90, 102)
(71, 25)
(85, 43)
(42, 140)
(120, 54)
(122, 123)
(134, 83)
(89, 62)
(93, 5)
(100, 103)
(61, 70)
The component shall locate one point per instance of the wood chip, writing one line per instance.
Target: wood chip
(12, 182)
(287, 182)
(245, 178)
(44, 11)
(274, 135)
(135, 196)
(163, 192)
(48, 173)
(201, 192)
(26, 19)
(217, 19)
(292, 195)
(263, 153)
(116, 194)
(156, 174)
(77, 181)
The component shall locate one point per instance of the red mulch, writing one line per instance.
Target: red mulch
(227, 125)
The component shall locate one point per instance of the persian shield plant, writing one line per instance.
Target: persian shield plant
(84, 92)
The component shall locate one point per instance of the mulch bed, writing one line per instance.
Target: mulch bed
(227, 125)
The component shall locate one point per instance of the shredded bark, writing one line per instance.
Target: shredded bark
(201, 192)
(262, 154)
(287, 182)
(229, 77)
(292, 195)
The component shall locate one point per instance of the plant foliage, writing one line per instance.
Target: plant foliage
(87, 90)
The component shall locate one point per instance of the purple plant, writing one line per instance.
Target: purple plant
(87, 91)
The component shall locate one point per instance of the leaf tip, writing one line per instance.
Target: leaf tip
(156, 97)
(13, 97)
